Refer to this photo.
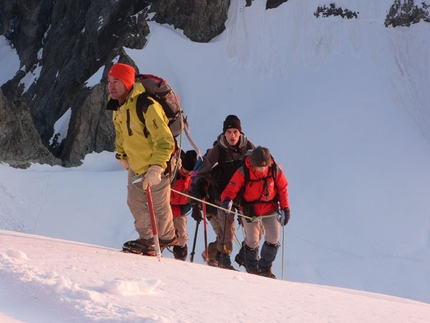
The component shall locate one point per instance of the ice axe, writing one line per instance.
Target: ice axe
(153, 222)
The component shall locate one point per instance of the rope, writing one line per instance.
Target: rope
(251, 218)
(238, 242)
(187, 133)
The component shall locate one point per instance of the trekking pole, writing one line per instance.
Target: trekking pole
(283, 248)
(194, 242)
(205, 229)
(223, 240)
(153, 222)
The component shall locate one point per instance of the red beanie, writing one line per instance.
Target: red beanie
(125, 73)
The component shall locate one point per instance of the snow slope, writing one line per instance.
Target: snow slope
(51, 280)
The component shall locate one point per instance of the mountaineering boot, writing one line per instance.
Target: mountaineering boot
(180, 253)
(239, 260)
(240, 257)
(268, 255)
(266, 273)
(212, 250)
(140, 246)
(251, 259)
(254, 272)
(224, 260)
(168, 243)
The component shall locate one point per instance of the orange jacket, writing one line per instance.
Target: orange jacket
(261, 189)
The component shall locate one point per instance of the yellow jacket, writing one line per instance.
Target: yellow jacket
(131, 143)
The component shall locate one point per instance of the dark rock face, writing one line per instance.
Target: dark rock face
(19, 141)
(201, 20)
(90, 128)
(61, 44)
(271, 4)
(406, 13)
(68, 41)
(332, 10)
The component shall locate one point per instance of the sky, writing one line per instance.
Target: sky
(343, 107)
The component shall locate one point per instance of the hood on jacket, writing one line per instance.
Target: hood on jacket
(241, 144)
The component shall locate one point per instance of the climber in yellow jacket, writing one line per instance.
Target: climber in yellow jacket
(144, 149)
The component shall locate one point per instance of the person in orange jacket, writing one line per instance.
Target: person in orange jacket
(262, 185)
(180, 204)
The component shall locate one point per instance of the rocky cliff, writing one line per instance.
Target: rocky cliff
(63, 43)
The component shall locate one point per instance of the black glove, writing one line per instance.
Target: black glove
(227, 204)
(202, 187)
(284, 217)
(197, 212)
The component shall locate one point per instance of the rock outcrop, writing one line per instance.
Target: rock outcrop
(20, 143)
(61, 44)
(406, 13)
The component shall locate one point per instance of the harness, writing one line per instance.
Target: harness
(248, 206)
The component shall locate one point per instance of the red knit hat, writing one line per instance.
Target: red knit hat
(125, 73)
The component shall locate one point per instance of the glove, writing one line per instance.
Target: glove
(197, 212)
(227, 204)
(284, 216)
(202, 186)
(153, 176)
(124, 163)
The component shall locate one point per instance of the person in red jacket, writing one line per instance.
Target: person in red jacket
(180, 204)
(262, 185)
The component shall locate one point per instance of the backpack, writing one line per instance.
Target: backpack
(158, 89)
(222, 172)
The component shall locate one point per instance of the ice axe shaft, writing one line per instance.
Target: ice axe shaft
(153, 222)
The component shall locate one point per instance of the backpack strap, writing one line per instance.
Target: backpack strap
(274, 169)
(142, 104)
(249, 145)
(222, 155)
(245, 171)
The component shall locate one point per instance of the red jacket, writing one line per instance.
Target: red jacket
(256, 191)
(182, 184)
